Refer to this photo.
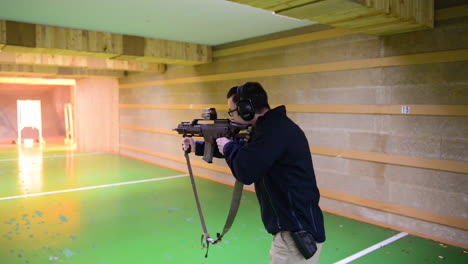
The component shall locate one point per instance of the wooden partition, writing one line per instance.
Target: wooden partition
(96, 115)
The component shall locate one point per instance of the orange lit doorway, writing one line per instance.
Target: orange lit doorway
(29, 115)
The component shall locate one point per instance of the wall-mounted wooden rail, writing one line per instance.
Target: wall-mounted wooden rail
(408, 161)
(79, 62)
(150, 130)
(427, 110)
(174, 106)
(456, 222)
(403, 60)
(282, 42)
(60, 72)
(181, 159)
(362, 219)
(451, 12)
(397, 209)
(38, 81)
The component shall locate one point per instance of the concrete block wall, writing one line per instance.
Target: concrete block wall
(432, 137)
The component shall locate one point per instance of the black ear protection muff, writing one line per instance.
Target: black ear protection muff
(245, 107)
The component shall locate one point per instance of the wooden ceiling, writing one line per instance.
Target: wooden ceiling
(38, 50)
(375, 17)
(47, 51)
(24, 37)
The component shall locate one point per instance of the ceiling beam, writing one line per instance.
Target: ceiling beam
(374, 17)
(62, 72)
(37, 81)
(24, 37)
(274, 41)
(79, 62)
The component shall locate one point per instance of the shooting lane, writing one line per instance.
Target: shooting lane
(384, 107)
(53, 97)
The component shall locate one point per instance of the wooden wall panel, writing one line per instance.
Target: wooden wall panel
(96, 115)
(425, 58)
(379, 17)
(78, 62)
(60, 72)
(318, 32)
(25, 37)
(2, 34)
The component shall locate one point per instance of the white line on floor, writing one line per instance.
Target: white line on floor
(60, 156)
(92, 187)
(370, 249)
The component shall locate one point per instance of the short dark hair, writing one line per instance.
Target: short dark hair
(253, 91)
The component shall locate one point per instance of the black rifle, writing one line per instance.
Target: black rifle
(211, 128)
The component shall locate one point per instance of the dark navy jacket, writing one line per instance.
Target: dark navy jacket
(278, 161)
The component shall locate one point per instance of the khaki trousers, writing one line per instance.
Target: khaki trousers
(284, 251)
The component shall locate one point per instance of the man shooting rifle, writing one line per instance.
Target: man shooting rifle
(211, 129)
(278, 160)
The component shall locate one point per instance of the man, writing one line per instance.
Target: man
(278, 160)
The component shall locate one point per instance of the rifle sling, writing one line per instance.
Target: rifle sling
(235, 202)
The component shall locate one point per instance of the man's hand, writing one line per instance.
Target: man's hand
(187, 143)
(221, 142)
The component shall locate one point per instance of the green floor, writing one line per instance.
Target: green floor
(153, 221)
